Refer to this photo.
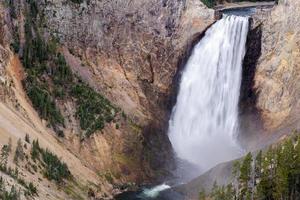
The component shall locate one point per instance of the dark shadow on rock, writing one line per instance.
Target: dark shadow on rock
(250, 118)
(158, 151)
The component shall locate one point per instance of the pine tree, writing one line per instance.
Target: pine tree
(296, 171)
(2, 186)
(284, 165)
(245, 174)
(14, 194)
(236, 175)
(258, 165)
(27, 139)
(202, 195)
(4, 155)
(266, 184)
(214, 191)
(229, 193)
(19, 153)
(35, 150)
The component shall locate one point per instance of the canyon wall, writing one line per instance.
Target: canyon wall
(277, 73)
(127, 51)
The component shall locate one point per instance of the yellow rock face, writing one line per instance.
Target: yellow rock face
(277, 77)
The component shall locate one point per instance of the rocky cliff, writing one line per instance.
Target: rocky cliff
(270, 89)
(277, 72)
(126, 51)
(129, 51)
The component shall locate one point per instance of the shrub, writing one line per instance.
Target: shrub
(44, 104)
(35, 150)
(77, 1)
(27, 139)
(19, 153)
(209, 3)
(31, 189)
(54, 169)
(93, 109)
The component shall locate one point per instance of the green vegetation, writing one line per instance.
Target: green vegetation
(19, 153)
(44, 103)
(54, 169)
(27, 139)
(209, 3)
(212, 3)
(93, 109)
(50, 80)
(5, 150)
(13, 194)
(273, 174)
(35, 150)
(77, 1)
(38, 60)
(222, 193)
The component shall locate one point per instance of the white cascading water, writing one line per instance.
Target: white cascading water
(154, 192)
(204, 122)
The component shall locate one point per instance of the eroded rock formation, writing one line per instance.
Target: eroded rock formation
(277, 72)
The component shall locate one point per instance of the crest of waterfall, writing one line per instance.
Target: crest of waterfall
(204, 122)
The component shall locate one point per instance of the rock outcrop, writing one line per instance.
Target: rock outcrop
(278, 70)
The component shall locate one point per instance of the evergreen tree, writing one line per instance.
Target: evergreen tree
(274, 175)
(2, 186)
(245, 174)
(4, 155)
(229, 193)
(265, 186)
(296, 171)
(236, 175)
(27, 139)
(35, 150)
(202, 195)
(19, 153)
(258, 165)
(284, 165)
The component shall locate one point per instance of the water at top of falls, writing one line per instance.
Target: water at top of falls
(204, 121)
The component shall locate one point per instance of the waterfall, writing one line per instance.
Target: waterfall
(154, 192)
(204, 122)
